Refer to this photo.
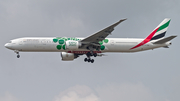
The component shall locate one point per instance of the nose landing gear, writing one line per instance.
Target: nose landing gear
(18, 56)
(17, 52)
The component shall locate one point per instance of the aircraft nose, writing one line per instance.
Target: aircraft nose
(7, 45)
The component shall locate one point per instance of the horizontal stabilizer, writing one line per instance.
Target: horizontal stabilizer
(165, 40)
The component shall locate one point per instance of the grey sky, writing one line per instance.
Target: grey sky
(144, 76)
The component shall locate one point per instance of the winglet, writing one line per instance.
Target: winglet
(117, 23)
(122, 20)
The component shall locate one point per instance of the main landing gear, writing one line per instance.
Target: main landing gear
(17, 52)
(88, 59)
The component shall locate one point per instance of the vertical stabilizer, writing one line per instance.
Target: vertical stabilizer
(157, 33)
(161, 29)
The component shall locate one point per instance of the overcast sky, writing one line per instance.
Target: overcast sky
(143, 76)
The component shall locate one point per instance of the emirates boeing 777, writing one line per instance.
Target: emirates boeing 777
(93, 45)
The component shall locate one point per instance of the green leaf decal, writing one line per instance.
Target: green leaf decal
(58, 47)
(106, 40)
(100, 42)
(102, 47)
(64, 47)
(55, 40)
(61, 42)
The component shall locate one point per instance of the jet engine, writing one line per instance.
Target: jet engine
(72, 45)
(67, 56)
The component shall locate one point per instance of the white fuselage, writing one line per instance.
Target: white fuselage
(46, 44)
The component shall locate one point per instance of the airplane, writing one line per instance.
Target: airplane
(93, 45)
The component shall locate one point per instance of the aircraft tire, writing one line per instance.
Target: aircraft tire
(95, 54)
(18, 56)
(92, 61)
(89, 60)
(85, 59)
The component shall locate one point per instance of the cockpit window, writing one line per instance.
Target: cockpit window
(10, 41)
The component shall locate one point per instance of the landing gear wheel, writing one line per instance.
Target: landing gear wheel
(18, 56)
(95, 54)
(89, 60)
(92, 61)
(85, 59)
(89, 54)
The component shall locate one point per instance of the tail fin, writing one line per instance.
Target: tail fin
(157, 33)
(161, 29)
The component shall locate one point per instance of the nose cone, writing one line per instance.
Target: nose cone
(7, 45)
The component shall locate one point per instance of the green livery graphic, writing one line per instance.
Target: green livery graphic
(61, 42)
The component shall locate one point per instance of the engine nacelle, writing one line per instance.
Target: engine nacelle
(72, 45)
(67, 56)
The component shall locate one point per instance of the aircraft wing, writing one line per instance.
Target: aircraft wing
(101, 35)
